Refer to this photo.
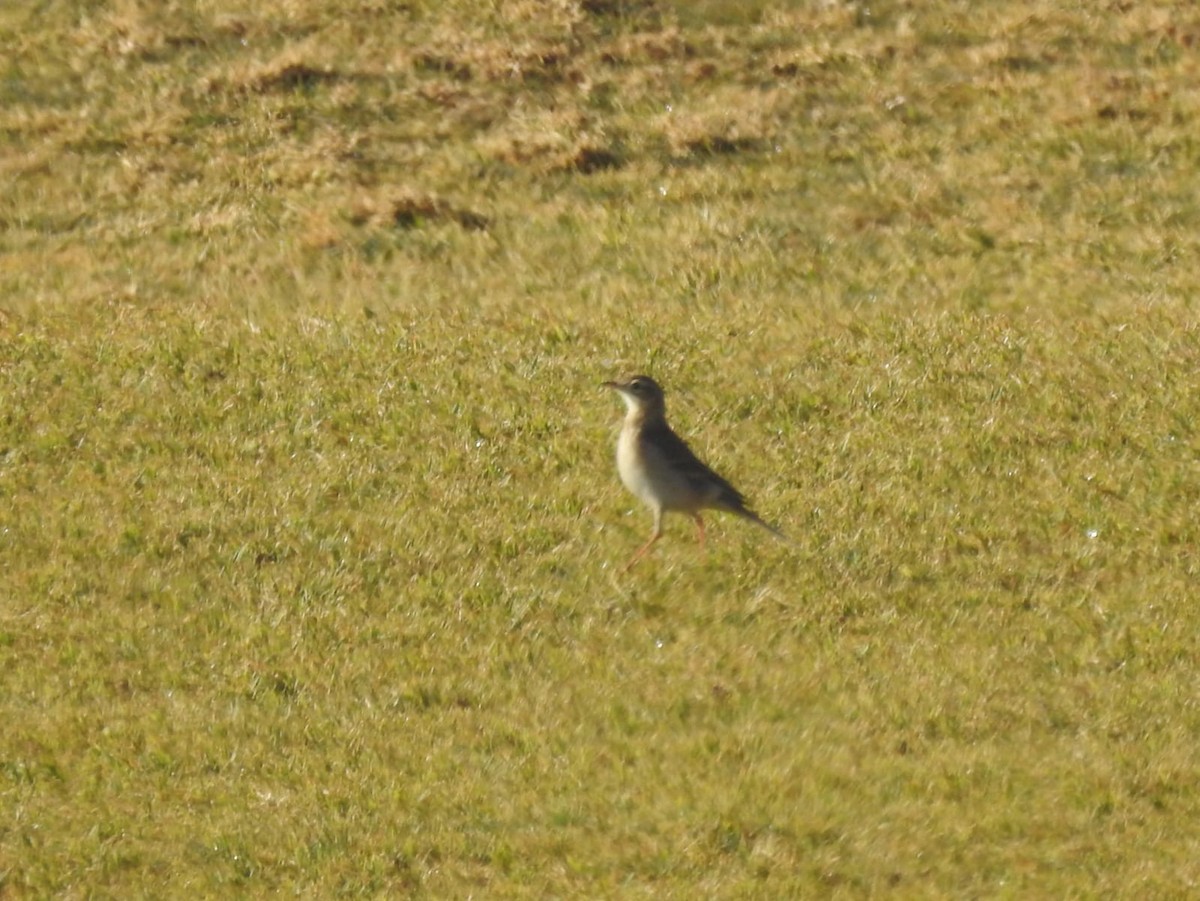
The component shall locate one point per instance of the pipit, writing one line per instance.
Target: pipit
(657, 466)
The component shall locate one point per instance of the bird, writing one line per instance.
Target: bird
(657, 466)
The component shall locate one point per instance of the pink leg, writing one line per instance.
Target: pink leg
(645, 548)
(642, 551)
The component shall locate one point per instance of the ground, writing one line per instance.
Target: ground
(309, 519)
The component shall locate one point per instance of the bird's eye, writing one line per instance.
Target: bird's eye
(637, 384)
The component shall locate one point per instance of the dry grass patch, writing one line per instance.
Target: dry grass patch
(409, 209)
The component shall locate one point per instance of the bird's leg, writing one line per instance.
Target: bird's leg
(699, 528)
(642, 551)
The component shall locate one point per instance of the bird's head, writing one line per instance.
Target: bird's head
(641, 395)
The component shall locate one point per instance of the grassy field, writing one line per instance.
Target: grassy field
(309, 523)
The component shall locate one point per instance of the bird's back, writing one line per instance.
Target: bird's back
(688, 484)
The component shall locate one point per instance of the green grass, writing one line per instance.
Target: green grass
(309, 524)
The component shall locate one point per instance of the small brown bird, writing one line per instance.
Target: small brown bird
(657, 466)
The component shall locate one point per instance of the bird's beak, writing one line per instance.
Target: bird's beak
(610, 384)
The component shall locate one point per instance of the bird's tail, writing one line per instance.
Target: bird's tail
(733, 501)
(749, 514)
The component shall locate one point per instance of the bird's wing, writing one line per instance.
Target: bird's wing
(680, 457)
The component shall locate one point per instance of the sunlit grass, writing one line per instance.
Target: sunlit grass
(309, 517)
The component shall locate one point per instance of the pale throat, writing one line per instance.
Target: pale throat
(631, 403)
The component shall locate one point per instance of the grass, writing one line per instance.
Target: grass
(308, 512)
